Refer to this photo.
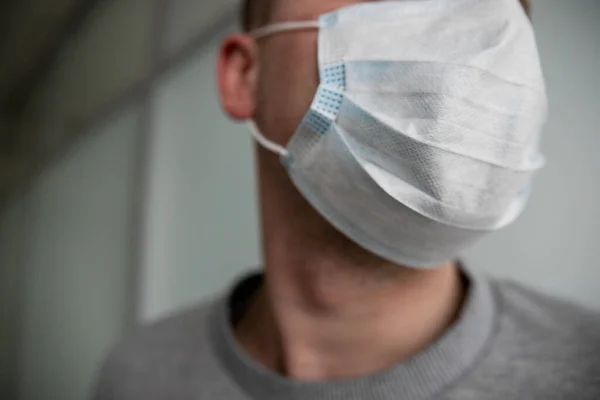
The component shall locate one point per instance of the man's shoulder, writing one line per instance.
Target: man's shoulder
(152, 356)
(547, 341)
(536, 311)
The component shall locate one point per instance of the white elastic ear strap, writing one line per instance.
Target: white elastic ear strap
(259, 34)
(266, 143)
(283, 27)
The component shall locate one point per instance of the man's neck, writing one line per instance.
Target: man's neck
(324, 316)
(330, 309)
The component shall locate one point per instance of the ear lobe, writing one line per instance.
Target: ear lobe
(237, 71)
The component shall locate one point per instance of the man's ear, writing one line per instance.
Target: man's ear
(237, 73)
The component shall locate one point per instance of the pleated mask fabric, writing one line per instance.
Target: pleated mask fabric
(424, 133)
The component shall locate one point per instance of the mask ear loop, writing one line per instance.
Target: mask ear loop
(259, 34)
(264, 142)
(283, 27)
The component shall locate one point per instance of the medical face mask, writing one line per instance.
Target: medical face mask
(423, 135)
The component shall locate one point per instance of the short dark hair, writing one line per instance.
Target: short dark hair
(256, 13)
(527, 6)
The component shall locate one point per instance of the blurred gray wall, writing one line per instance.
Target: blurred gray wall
(75, 286)
(69, 239)
(12, 238)
(66, 241)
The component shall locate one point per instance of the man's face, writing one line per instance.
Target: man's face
(288, 77)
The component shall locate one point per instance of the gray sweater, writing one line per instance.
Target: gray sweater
(509, 343)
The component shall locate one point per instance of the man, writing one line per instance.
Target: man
(339, 312)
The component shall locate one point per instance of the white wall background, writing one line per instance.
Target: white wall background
(203, 229)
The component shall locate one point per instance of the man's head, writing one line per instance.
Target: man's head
(273, 81)
(255, 13)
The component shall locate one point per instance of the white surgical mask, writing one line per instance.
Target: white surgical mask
(424, 132)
